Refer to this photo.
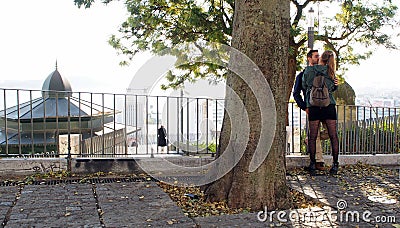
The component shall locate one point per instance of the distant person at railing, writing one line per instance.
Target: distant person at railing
(133, 142)
(161, 138)
(312, 59)
(326, 68)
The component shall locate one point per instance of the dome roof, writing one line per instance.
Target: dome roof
(55, 82)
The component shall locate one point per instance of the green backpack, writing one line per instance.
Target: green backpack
(319, 94)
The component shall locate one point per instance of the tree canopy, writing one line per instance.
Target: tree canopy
(159, 24)
(357, 24)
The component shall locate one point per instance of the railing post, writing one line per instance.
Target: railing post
(177, 125)
(168, 136)
(103, 123)
(44, 124)
(5, 120)
(80, 126)
(157, 124)
(216, 125)
(114, 150)
(187, 125)
(69, 162)
(197, 125)
(147, 126)
(136, 124)
(31, 116)
(19, 125)
(125, 120)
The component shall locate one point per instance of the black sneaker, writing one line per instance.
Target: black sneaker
(320, 166)
(334, 169)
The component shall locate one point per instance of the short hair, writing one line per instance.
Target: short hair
(310, 52)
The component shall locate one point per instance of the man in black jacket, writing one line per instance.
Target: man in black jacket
(312, 59)
(161, 138)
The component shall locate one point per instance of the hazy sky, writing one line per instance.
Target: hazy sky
(34, 34)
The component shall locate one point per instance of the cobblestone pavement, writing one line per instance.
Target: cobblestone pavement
(346, 202)
(115, 204)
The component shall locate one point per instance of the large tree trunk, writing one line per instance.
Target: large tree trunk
(261, 31)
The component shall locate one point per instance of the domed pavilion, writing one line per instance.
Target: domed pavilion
(37, 125)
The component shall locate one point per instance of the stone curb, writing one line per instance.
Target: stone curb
(28, 166)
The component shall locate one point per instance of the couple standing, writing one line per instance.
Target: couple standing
(326, 64)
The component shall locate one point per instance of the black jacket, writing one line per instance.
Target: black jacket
(161, 137)
(296, 92)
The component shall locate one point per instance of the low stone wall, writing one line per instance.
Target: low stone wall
(19, 166)
(378, 159)
(27, 166)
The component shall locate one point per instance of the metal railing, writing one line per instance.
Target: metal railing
(86, 124)
(361, 130)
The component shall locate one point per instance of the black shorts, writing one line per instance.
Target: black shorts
(324, 113)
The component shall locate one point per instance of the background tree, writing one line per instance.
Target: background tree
(157, 24)
(351, 33)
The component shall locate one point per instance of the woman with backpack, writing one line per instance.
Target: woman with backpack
(320, 82)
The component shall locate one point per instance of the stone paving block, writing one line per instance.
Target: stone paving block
(42, 205)
(134, 204)
(7, 198)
